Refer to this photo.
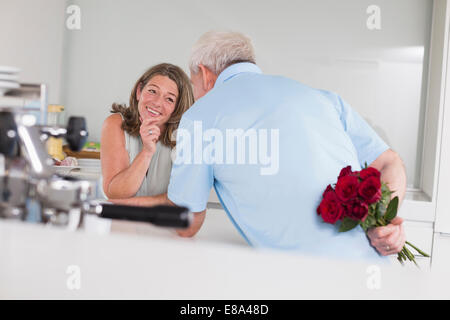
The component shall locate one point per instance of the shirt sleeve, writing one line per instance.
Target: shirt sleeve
(191, 179)
(367, 142)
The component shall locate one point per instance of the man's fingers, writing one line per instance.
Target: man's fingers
(398, 246)
(401, 240)
(389, 240)
(397, 221)
(395, 248)
(381, 232)
(392, 240)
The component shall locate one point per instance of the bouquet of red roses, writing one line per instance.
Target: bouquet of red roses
(360, 198)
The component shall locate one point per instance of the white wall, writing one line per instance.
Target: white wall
(32, 38)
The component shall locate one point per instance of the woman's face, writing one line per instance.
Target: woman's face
(157, 99)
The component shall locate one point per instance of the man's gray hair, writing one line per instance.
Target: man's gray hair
(217, 50)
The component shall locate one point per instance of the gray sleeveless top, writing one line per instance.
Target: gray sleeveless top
(158, 175)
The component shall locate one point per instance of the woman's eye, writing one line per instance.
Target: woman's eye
(170, 100)
(152, 91)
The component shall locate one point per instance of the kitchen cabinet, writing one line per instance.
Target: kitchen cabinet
(441, 249)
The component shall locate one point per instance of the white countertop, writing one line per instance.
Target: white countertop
(41, 262)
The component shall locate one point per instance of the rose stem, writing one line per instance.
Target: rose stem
(417, 249)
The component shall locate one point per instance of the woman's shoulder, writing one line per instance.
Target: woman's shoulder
(115, 118)
(113, 125)
(113, 121)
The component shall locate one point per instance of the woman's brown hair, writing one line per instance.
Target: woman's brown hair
(131, 123)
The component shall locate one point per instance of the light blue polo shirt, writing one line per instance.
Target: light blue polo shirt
(269, 146)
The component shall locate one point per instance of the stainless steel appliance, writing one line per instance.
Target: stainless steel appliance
(27, 174)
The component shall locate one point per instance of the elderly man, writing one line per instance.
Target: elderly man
(316, 134)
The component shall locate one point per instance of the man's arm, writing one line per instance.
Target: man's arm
(391, 238)
(162, 199)
(392, 172)
(197, 222)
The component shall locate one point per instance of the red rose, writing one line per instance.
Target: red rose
(370, 189)
(328, 189)
(330, 208)
(347, 187)
(345, 172)
(369, 172)
(356, 210)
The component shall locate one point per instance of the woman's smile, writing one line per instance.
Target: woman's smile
(152, 112)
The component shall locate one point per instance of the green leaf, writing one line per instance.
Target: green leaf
(370, 222)
(391, 211)
(380, 210)
(385, 193)
(348, 224)
(365, 225)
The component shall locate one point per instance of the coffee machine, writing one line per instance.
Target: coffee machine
(27, 176)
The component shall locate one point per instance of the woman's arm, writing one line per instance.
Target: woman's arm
(120, 179)
(146, 201)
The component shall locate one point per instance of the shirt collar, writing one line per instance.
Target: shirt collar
(235, 69)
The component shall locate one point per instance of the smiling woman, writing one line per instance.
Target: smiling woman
(136, 140)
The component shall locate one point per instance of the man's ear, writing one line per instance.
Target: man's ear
(208, 77)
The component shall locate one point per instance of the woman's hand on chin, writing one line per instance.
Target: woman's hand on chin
(149, 134)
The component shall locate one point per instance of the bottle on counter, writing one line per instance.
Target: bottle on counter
(55, 145)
